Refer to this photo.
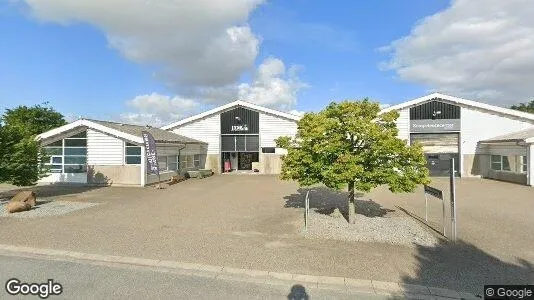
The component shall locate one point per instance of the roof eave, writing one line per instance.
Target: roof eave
(461, 101)
(228, 106)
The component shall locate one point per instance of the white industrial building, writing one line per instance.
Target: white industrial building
(240, 136)
(486, 141)
(101, 152)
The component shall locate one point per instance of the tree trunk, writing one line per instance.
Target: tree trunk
(352, 206)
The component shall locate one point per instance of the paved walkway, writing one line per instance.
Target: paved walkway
(253, 222)
(336, 285)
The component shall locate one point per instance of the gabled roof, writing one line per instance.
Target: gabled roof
(462, 102)
(525, 136)
(230, 106)
(125, 131)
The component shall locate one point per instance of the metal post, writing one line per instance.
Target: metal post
(306, 209)
(443, 214)
(453, 200)
(426, 208)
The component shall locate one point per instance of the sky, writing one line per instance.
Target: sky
(158, 61)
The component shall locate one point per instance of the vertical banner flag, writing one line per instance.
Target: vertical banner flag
(151, 154)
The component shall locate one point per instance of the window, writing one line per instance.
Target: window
(183, 162)
(68, 155)
(496, 162)
(196, 160)
(172, 162)
(132, 154)
(162, 163)
(190, 162)
(522, 168)
(268, 150)
(500, 163)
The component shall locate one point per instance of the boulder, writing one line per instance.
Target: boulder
(15, 206)
(25, 197)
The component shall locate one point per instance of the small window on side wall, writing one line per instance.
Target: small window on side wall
(496, 162)
(132, 154)
(268, 150)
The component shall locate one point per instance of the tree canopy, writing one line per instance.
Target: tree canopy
(526, 107)
(21, 158)
(349, 144)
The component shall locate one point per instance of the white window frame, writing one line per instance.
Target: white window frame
(173, 159)
(196, 161)
(126, 146)
(64, 155)
(522, 164)
(501, 163)
(160, 160)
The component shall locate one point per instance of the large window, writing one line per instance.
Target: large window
(68, 155)
(189, 162)
(132, 154)
(241, 143)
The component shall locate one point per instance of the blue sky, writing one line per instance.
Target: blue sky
(94, 61)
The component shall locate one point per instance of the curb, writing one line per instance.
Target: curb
(349, 285)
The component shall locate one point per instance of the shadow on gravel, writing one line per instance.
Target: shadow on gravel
(325, 200)
(51, 190)
(463, 267)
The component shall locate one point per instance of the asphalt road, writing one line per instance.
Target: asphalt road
(89, 281)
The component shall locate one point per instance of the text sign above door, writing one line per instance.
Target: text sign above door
(435, 126)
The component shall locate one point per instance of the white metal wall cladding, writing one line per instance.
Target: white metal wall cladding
(507, 150)
(479, 125)
(103, 149)
(206, 130)
(403, 124)
(272, 127)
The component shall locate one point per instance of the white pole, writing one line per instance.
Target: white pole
(443, 214)
(453, 200)
(426, 208)
(306, 209)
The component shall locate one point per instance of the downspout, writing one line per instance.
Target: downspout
(179, 155)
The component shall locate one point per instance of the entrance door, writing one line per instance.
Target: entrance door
(245, 161)
(438, 164)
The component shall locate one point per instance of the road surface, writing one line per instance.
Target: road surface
(90, 281)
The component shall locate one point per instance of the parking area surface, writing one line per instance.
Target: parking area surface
(252, 221)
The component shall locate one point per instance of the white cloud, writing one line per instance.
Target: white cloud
(295, 112)
(201, 49)
(475, 48)
(157, 110)
(193, 42)
(273, 85)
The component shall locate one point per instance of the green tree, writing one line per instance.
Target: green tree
(526, 107)
(21, 158)
(349, 144)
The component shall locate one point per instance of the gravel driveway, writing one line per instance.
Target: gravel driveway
(256, 222)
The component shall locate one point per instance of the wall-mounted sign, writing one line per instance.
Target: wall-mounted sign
(240, 121)
(434, 126)
(235, 128)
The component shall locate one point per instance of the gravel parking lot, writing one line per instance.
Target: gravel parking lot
(256, 222)
(46, 209)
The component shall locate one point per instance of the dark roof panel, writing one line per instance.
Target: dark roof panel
(160, 135)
